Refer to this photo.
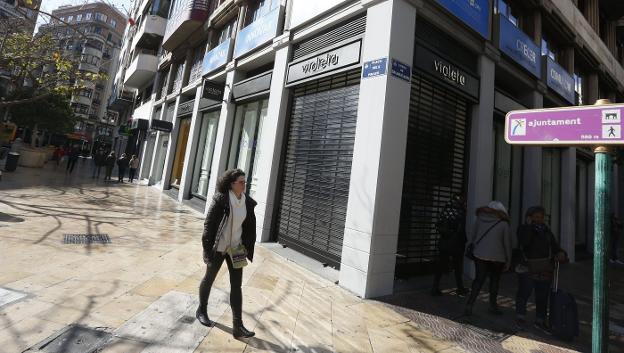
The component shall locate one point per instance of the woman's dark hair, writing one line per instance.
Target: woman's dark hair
(227, 178)
(534, 210)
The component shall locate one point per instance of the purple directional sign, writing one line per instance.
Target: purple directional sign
(584, 125)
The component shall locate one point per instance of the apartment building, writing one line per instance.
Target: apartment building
(357, 120)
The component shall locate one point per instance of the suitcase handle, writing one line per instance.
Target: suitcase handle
(556, 277)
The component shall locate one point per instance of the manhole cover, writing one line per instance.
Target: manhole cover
(73, 339)
(86, 239)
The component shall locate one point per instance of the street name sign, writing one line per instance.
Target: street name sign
(583, 125)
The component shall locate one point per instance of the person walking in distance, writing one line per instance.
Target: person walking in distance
(72, 158)
(122, 165)
(229, 235)
(98, 162)
(451, 226)
(134, 165)
(491, 251)
(110, 164)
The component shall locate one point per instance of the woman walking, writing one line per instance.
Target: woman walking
(134, 165)
(110, 164)
(491, 244)
(122, 165)
(229, 235)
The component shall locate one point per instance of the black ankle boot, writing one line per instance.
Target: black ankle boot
(202, 317)
(239, 331)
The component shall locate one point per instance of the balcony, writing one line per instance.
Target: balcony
(89, 68)
(150, 32)
(81, 99)
(186, 17)
(142, 69)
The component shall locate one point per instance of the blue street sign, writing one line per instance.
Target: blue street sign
(401, 70)
(374, 68)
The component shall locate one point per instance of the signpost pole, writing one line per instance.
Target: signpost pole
(602, 229)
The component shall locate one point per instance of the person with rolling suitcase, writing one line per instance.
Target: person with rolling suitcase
(563, 316)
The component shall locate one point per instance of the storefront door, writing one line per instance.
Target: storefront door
(317, 167)
(435, 170)
(205, 150)
(244, 152)
(161, 154)
(178, 161)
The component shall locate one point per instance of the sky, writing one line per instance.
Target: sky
(49, 5)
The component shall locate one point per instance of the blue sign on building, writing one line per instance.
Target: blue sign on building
(519, 47)
(259, 32)
(374, 68)
(401, 70)
(474, 13)
(216, 57)
(559, 80)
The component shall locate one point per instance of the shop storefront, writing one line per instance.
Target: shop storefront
(442, 92)
(185, 111)
(316, 167)
(162, 144)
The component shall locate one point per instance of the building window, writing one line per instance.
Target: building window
(259, 8)
(225, 33)
(79, 17)
(88, 16)
(62, 19)
(113, 23)
(70, 18)
(196, 68)
(578, 88)
(504, 8)
(547, 50)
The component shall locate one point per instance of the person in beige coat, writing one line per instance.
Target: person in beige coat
(492, 252)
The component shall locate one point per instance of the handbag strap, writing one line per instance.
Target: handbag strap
(487, 231)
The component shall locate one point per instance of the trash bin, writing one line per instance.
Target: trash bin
(11, 162)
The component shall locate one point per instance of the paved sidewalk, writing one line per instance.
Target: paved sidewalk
(139, 292)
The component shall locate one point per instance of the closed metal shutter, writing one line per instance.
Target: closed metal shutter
(317, 166)
(435, 168)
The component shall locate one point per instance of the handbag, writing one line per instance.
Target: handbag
(471, 246)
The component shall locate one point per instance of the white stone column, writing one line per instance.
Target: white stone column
(532, 176)
(163, 111)
(224, 132)
(481, 165)
(271, 140)
(171, 148)
(191, 149)
(372, 222)
(568, 202)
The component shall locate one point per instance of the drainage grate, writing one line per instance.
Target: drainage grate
(73, 339)
(86, 239)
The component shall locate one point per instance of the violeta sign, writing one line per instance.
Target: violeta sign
(585, 125)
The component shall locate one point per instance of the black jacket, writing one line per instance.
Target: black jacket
(122, 163)
(215, 223)
(537, 241)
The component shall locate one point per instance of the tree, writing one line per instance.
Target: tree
(51, 113)
(39, 66)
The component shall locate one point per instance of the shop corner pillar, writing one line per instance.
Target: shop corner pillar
(191, 149)
(481, 166)
(269, 147)
(568, 202)
(372, 221)
(171, 148)
(532, 176)
(224, 132)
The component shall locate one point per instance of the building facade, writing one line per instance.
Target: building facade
(356, 121)
(92, 34)
(17, 17)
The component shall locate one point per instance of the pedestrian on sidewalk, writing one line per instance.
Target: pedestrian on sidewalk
(72, 158)
(134, 165)
(122, 165)
(99, 159)
(58, 154)
(451, 226)
(491, 244)
(539, 250)
(229, 235)
(616, 233)
(110, 164)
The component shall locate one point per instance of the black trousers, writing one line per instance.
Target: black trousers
(457, 261)
(132, 173)
(122, 173)
(71, 162)
(484, 270)
(236, 280)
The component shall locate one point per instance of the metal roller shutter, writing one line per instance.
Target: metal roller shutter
(317, 166)
(434, 169)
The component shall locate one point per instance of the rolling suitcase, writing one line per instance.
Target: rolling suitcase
(563, 314)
